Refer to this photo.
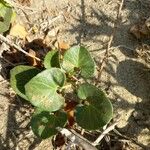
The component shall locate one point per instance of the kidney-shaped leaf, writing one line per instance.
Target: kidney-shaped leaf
(6, 14)
(44, 124)
(42, 89)
(52, 59)
(79, 57)
(97, 110)
(19, 76)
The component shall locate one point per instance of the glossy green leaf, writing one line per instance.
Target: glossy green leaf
(19, 76)
(44, 124)
(52, 59)
(6, 15)
(79, 57)
(97, 110)
(42, 89)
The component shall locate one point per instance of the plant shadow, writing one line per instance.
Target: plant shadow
(18, 132)
(136, 80)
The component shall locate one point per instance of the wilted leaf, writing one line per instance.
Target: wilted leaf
(70, 108)
(6, 14)
(24, 2)
(52, 59)
(13, 56)
(38, 46)
(71, 118)
(42, 89)
(44, 124)
(79, 57)
(141, 30)
(97, 110)
(31, 60)
(19, 76)
(59, 140)
(53, 32)
(63, 45)
(143, 52)
(18, 31)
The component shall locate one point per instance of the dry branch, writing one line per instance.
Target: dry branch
(131, 139)
(76, 138)
(115, 25)
(11, 44)
(16, 5)
(110, 128)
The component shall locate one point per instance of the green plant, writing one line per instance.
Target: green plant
(6, 16)
(48, 90)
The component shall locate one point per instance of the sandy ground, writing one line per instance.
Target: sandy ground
(123, 79)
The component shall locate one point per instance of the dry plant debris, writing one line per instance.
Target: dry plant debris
(141, 30)
(107, 52)
(143, 52)
(35, 54)
(18, 31)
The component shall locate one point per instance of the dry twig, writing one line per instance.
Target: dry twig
(130, 139)
(106, 55)
(10, 63)
(76, 138)
(11, 44)
(16, 5)
(110, 128)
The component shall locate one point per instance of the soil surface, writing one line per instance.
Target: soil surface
(124, 77)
